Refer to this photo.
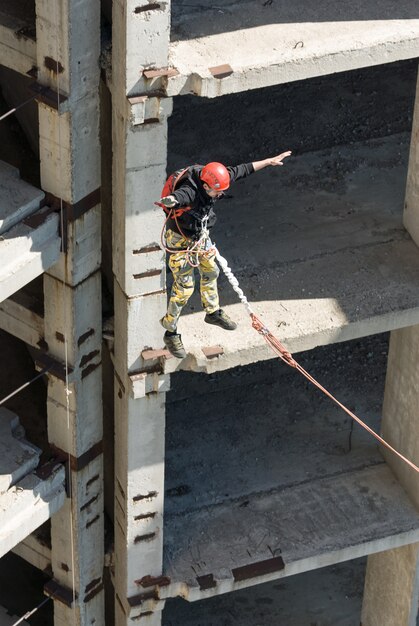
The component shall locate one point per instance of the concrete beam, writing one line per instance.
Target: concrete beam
(18, 199)
(139, 126)
(34, 552)
(17, 38)
(248, 46)
(29, 504)
(28, 250)
(391, 584)
(411, 204)
(17, 456)
(68, 48)
(286, 532)
(391, 588)
(20, 317)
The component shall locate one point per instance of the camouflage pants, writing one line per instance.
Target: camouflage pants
(184, 280)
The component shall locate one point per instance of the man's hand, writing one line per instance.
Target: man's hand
(276, 160)
(169, 202)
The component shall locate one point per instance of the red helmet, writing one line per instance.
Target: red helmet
(216, 176)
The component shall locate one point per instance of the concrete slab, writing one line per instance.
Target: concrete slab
(267, 43)
(28, 250)
(22, 316)
(309, 446)
(34, 551)
(17, 35)
(18, 199)
(29, 504)
(17, 456)
(319, 248)
(267, 536)
(331, 596)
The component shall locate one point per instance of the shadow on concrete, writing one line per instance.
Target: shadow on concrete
(200, 18)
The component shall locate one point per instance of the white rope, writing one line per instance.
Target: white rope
(232, 280)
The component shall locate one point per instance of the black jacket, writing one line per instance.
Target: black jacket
(191, 192)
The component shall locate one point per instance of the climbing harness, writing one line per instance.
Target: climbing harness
(201, 247)
(287, 357)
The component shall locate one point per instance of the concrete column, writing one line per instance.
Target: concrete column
(68, 48)
(391, 585)
(411, 205)
(140, 43)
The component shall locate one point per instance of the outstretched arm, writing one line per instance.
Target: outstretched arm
(276, 160)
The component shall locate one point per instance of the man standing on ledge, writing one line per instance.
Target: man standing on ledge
(191, 205)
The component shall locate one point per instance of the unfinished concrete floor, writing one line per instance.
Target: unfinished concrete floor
(293, 476)
(314, 124)
(266, 43)
(318, 245)
(331, 596)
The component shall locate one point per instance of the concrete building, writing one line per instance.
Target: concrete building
(220, 498)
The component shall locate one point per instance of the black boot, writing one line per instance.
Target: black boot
(173, 343)
(219, 318)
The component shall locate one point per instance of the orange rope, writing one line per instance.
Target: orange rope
(285, 356)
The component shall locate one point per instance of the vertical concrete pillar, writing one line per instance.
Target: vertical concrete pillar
(68, 48)
(391, 585)
(411, 206)
(139, 61)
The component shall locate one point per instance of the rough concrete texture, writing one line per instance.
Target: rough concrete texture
(17, 456)
(400, 417)
(329, 596)
(17, 35)
(19, 317)
(267, 43)
(28, 250)
(307, 526)
(313, 479)
(28, 504)
(391, 588)
(35, 552)
(411, 210)
(18, 199)
(323, 258)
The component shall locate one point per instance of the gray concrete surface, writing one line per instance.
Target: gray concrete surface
(330, 596)
(17, 35)
(266, 43)
(309, 479)
(18, 199)
(317, 523)
(17, 456)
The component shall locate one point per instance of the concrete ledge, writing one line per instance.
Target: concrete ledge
(17, 456)
(271, 535)
(28, 250)
(18, 199)
(250, 45)
(319, 249)
(20, 316)
(34, 552)
(29, 504)
(17, 37)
